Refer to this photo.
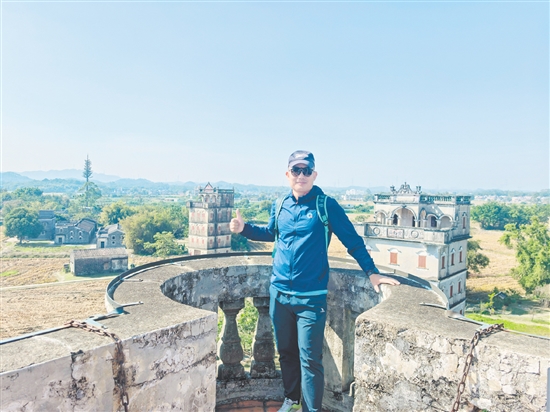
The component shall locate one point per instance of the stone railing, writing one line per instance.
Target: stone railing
(383, 352)
(416, 198)
(413, 234)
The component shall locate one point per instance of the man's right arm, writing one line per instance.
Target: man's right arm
(254, 232)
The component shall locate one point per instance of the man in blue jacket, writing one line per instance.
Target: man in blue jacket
(300, 277)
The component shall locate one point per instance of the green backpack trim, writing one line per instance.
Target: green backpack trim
(322, 213)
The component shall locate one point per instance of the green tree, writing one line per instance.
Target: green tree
(27, 193)
(140, 229)
(239, 243)
(476, 260)
(115, 212)
(165, 245)
(491, 215)
(532, 245)
(91, 192)
(22, 222)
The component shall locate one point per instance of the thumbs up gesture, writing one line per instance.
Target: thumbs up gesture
(237, 224)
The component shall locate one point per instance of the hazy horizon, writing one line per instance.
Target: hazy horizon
(104, 178)
(438, 94)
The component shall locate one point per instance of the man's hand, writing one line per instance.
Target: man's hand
(377, 279)
(237, 224)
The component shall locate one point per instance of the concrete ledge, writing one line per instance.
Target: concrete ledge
(411, 357)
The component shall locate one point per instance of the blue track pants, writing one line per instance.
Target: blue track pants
(299, 325)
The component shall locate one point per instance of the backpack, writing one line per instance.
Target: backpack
(322, 213)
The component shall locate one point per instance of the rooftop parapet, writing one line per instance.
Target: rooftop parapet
(383, 352)
(422, 199)
(412, 234)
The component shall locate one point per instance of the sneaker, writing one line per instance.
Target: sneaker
(290, 406)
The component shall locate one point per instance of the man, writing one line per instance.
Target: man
(299, 281)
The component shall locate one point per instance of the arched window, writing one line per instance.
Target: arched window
(433, 221)
(445, 221)
(394, 220)
(443, 262)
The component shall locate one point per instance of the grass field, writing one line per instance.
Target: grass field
(541, 330)
(497, 274)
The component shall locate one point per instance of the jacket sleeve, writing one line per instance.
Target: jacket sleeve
(265, 233)
(342, 227)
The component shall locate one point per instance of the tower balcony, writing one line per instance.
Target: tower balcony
(413, 234)
(393, 351)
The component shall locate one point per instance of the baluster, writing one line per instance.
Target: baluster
(230, 348)
(263, 351)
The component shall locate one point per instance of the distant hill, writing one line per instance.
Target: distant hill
(49, 182)
(67, 174)
(11, 177)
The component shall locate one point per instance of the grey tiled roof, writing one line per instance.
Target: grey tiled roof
(88, 253)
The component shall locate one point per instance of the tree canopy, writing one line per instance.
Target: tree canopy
(140, 228)
(532, 245)
(476, 260)
(115, 212)
(495, 215)
(165, 244)
(22, 222)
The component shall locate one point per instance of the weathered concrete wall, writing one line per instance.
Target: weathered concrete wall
(170, 362)
(410, 357)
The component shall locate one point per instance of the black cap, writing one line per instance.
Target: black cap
(301, 156)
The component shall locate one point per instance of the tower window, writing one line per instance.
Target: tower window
(452, 259)
(442, 262)
(393, 258)
(463, 222)
(422, 262)
(460, 256)
(451, 292)
(459, 287)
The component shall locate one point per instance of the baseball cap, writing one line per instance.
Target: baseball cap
(301, 156)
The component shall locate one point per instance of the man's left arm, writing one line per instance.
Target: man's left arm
(342, 227)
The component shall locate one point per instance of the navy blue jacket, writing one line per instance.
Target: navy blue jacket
(300, 265)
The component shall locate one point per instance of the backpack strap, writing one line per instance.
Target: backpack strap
(278, 207)
(322, 213)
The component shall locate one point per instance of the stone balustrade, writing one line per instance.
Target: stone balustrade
(383, 352)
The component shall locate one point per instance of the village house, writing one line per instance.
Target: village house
(96, 261)
(47, 220)
(111, 236)
(75, 233)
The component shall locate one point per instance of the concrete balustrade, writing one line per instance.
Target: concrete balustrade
(383, 352)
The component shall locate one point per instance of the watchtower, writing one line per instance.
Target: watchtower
(425, 235)
(209, 220)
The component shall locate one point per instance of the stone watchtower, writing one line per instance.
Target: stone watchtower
(209, 221)
(425, 235)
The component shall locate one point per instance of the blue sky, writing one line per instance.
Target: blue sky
(439, 94)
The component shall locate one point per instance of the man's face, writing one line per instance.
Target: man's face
(301, 184)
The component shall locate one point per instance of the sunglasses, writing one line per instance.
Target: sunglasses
(306, 171)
